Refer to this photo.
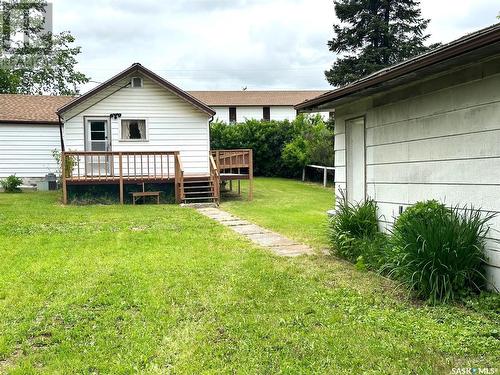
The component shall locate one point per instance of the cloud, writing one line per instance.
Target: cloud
(229, 44)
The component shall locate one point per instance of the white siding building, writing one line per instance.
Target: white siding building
(238, 106)
(428, 128)
(29, 132)
(166, 119)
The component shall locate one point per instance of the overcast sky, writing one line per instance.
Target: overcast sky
(230, 44)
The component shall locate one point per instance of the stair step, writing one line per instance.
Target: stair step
(199, 198)
(197, 181)
(198, 192)
(198, 187)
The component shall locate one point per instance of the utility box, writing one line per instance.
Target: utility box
(49, 182)
(51, 178)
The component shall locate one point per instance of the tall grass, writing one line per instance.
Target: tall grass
(439, 251)
(354, 233)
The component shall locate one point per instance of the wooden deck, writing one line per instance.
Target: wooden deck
(127, 167)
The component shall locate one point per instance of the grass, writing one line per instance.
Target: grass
(293, 208)
(161, 289)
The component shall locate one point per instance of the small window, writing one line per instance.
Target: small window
(232, 114)
(266, 113)
(134, 130)
(136, 82)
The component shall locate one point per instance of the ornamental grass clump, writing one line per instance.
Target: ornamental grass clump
(438, 251)
(354, 233)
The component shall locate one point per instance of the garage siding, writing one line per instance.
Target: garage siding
(442, 144)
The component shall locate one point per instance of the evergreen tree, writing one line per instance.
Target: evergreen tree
(373, 34)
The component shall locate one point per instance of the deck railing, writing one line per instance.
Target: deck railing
(238, 162)
(94, 167)
(215, 177)
(233, 159)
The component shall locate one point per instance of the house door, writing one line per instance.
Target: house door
(355, 152)
(98, 138)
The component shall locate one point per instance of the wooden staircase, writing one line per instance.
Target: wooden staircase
(199, 190)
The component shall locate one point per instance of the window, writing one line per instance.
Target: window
(266, 113)
(136, 82)
(134, 130)
(232, 114)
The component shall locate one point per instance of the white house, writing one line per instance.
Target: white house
(238, 106)
(135, 128)
(427, 128)
(29, 131)
(138, 110)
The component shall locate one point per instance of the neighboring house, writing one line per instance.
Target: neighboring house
(238, 106)
(29, 131)
(427, 128)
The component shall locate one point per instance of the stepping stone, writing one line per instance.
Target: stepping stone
(278, 244)
(248, 229)
(270, 239)
(234, 223)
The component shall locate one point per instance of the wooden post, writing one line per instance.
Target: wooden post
(303, 174)
(178, 178)
(250, 175)
(120, 167)
(325, 170)
(231, 185)
(63, 174)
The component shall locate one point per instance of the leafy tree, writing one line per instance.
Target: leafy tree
(41, 63)
(373, 34)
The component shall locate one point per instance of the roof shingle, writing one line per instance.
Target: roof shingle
(31, 108)
(250, 98)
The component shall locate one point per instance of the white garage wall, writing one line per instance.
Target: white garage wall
(443, 144)
(26, 150)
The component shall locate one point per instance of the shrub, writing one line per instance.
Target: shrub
(69, 163)
(11, 184)
(306, 139)
(439, 251)
(354, 233)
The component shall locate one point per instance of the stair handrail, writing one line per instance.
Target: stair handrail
(215, 175)
(179, 177)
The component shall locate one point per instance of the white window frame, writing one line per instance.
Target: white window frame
(146, 124)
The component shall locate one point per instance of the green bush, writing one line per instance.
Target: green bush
(11, 184)
(439, 251)
(280, 148)
(355, 236)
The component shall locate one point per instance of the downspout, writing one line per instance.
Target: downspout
(61, 132)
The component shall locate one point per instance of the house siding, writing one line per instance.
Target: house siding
(172, 124)
(442, 143)
(26, 150)
(278, 113)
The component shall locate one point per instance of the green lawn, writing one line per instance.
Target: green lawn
(293, 208)
(162, 289)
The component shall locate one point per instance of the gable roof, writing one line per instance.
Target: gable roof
(255, 98)
(470, 42)
(31, 109)
(138, 68)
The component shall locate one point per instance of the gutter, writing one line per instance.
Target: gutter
(61, 132)
(460, 46)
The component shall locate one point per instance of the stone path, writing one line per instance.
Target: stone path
(277, 243)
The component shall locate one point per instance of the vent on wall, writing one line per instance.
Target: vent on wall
(136, 82)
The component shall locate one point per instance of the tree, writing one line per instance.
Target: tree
(373, 34)
(41, 63)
